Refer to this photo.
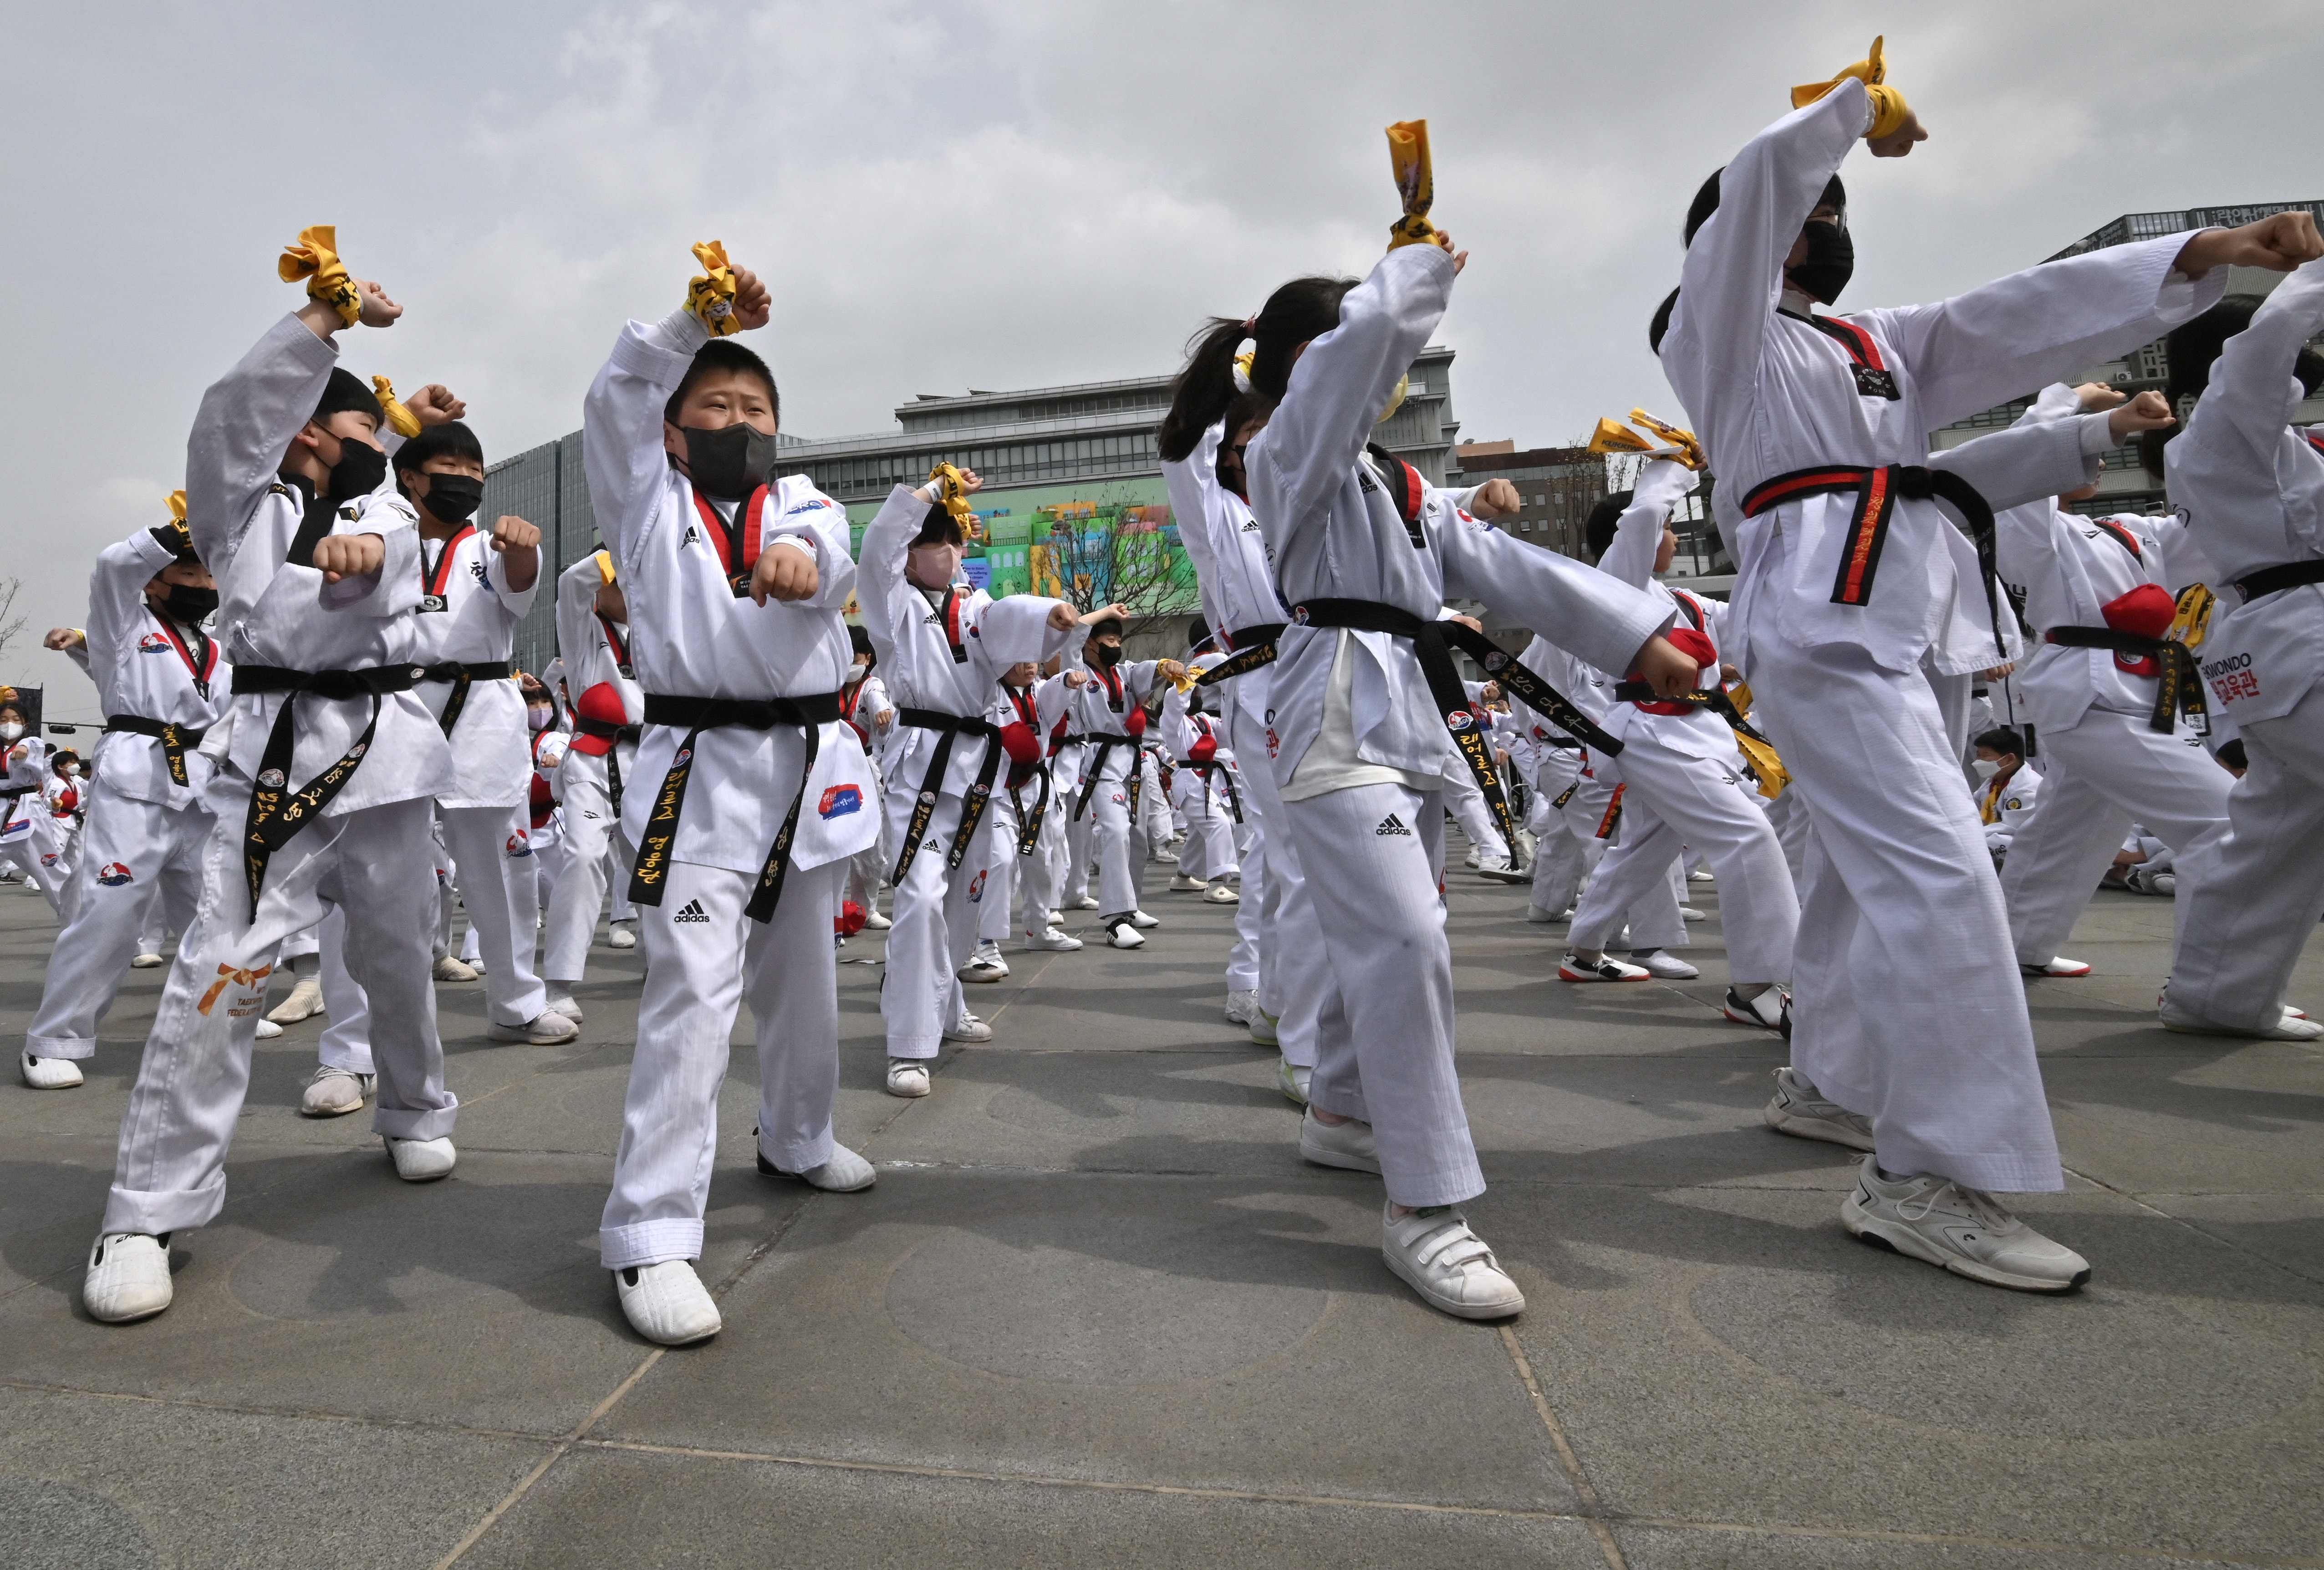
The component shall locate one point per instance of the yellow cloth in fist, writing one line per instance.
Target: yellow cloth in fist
(710, 295)
(1416, 182)
(1889, 110)
(952, 494)
(404, 423)
(316, 259)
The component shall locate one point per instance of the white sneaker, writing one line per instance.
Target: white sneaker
(562, 1001)
(1348, 1146)
(875, 923)
(1700, 875)
(333, 1092)
(475, 963)
(1086, 903)
(268, 1029)
(1796, 1108)
(1770, 1011)
(1057, 918)
(144, 962)
(1141, 919)
(304, 1002)
(1963, 1230)
(1499, 870)
(2290, 1025)
(1474, 859)
(1292, 1081)
(622, 934)
(1051, 940)
(2055, 966)
(968, 1027)
(448, 969)
(1668, 966)
(1242, 1006)
(1607, 968)
(1689, 913)
(844, 1173)
(1541, 918)
(985, 964)
(667, 1303)
(1220, 894)
(1123, 934)
(546, 1028)
(1262, 1028)
(128, 1277)
(908, 1076)
(1183, 884)
(1438, 1257)
(421, 1160)
(49, 1072)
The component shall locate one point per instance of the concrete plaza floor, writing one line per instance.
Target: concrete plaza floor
(1097, 1311)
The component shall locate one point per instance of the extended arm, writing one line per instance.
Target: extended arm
(622, 420)
(1638, 532)
(244, 426)
(1603, 622)
(879, 587)
(2241, 416)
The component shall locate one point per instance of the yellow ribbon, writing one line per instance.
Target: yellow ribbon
(1889, 110)
(406, 424)
(710, 295)
(230, 976)
(1415, 181)
(1764, 764)
(177, 524)
(2193, 624)
(316, 259)
(605, 566)
(1612, 437)
(1394, 399)
(953, 494)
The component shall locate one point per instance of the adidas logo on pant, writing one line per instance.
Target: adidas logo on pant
(1392, 823)
(691, 912)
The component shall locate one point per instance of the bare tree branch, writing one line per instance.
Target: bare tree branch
(11, 624)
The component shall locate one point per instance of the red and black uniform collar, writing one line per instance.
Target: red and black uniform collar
(2122, 536)
(435, 577)
(616, 642)
(201, 655)
(737, 542)
(1874, 379)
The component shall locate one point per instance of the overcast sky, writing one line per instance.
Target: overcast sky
(993, 195)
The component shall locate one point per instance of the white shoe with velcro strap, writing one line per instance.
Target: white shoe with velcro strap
(1435, 1254)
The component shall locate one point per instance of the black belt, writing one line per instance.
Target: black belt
(810, 713)
(460, 676)
(2179, 689)
(1208, 769)
(1105, 747)
(1028, 825)
(276, 818)
(1875, 491)
(1432, 643)
(607, 730)
(175, 739)
(1253, 647)
(2268, 580)
(932, 781)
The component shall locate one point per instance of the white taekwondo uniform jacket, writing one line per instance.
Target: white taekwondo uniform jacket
(146, 665)
(468, 615)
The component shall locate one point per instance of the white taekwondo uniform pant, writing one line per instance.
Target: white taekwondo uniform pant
(1157, 825)
(31, 847)
(345, 1041)
(594, 847)
(2241, 932)
(171, 1171)
(935, 926)
(1908, 1007)
(1703, 806)
(1294, 971)
(1039, 879)
(698, 973)
(160, 849)
(1787, 814)
(1081, 833)
(492, 850)
(1589, 815)
(992, 893)
(2107, 772)
(1120, 846)
(1468, 810)
(1385, 1039)
(1210, 850)
(1247, 964)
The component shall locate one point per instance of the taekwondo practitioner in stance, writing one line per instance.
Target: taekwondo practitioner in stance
(864, 705)
(593, 638)
(1109, 711)
(2104, 694)
(163, 683)
(28, 834)
(1364, 692)
(750, 792)
(1858, 592)
(2253, 490)
(328, 763)
(944, 646)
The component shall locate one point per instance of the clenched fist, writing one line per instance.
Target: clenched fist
(346, 556)
(785, 572)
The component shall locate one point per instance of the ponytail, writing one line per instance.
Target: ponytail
(1299, 312)
(1204, 388)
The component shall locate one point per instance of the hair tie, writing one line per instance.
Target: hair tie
(1250, 326)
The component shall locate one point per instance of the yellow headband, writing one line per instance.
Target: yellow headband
(316, 259)
(710, 296)
(953, 496)
(1415, 181)
(1889, 110)
(405, 423)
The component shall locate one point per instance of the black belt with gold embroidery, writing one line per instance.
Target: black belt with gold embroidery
(810, 713)
(460, 676)
(949, 727)
(1252, 648)
(2177, 689)
(277, 813)
(1105, 745)
(176, 740)
(1210, 769)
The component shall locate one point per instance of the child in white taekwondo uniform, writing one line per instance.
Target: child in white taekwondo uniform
(944, 645)
(1364, 691)
(1908, 1005)
(1108, 710)
(1680, 761)
(475, 588)
(750, 792)
(162, 682)
(2103, 695)
(2006, 792)
(1206, 788)
(28, 841)
(2253, 490)
(328, 763)
(864, 705)
(1041, 875)
(1025, 710)
(593, 637)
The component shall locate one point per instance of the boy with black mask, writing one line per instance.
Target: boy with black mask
(1109, 710)
(328, 763)
(163, 683)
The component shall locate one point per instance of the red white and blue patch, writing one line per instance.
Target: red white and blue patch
(113, 874)
(839, 800)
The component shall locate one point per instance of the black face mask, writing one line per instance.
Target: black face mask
(1109, 654)
(358, 473)
(453, 498)
(187, 604)
(729, 463)
(1830, 263)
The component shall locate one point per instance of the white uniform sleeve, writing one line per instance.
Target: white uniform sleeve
(1638, 532)
(621, 420)
(1603, 622)
(1016, 628)
(880, 588)
(2230, 446)
(822, 532)
(242, 428)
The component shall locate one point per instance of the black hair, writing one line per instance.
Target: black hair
(724, 355)
(2231, 753)
(1297, 311)
(939, 527)
(343, 395)
(859, 638)
(450, 439)
(61, 756)
(1698, 213)
(1114, 624)
(1598, 530)
(1246, 408)
(2002, 739)
(2190, 350)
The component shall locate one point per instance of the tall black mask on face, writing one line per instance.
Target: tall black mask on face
(1830, 263)
(359, 471)
(1107, 653)
(453, 498)
(730, 462)
(187, 604)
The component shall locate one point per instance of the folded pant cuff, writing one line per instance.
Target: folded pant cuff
(73, 1047)
(649, 1242)
(1451, 1186)
(155, 1211)
(406, 1123)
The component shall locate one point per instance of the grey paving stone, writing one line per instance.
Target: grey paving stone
(1712, 1548)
